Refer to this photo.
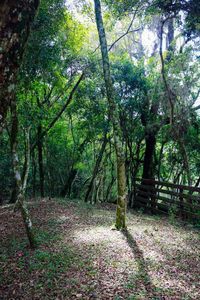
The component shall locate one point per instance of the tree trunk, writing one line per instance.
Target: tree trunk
(20, 186)
(15, 21)
(40, 161)
(148, 165)
(170, 39)
(15, 190)
(114, 117)
(73, 172)
(33, 174)
(68, 185)
(14, 193)
(96, 168)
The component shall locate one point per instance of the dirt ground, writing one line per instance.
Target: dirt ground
(80, 256)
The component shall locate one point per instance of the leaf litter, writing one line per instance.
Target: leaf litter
(81, 257)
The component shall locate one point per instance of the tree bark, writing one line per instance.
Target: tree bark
(149, 166)
(114, 117)
(20, 203)
(150, 141)
(16, 18)
(170, 39)
(15, 191)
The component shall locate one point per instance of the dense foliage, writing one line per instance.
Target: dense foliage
(65, 145)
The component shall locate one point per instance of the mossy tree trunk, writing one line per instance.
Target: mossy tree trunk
(15, 21)
(15, 190)
(114, 117)
(21, 185)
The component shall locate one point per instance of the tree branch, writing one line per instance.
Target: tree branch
(69, 99)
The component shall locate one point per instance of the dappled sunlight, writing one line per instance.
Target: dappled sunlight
(96, 235)
(63, 219)
(170, 279)
(146, 266)
(163, 234)
(156, 255)
(161, 273)
(162, 249)
(103, 264)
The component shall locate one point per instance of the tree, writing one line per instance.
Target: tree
(114, 117)
(16, 19)
(21, 183)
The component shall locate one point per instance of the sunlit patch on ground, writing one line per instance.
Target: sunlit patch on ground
(96, 235)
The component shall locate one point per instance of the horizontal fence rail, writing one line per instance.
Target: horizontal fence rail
(167, 198)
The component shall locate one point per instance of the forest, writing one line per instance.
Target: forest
(100, 149)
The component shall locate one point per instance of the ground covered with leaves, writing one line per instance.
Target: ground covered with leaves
(80, 256)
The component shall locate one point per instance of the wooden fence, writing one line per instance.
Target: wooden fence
(165, 197)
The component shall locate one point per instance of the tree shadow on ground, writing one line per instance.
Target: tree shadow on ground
(142, 266)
